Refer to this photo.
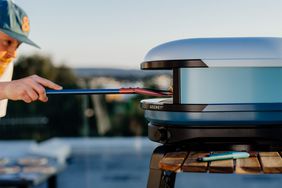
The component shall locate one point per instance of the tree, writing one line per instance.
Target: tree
(63, 113)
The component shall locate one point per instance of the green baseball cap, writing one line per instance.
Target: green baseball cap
(14, 22)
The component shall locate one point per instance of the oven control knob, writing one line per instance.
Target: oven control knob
(163, 135)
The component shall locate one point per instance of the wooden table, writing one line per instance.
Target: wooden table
(27, 179)
(22, 182)
(166, 162)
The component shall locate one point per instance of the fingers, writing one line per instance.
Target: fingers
(27, 99)
(46, 83)
(38, 84)
(29, 89)
(38, 92)
(24, 93)
(32, 95)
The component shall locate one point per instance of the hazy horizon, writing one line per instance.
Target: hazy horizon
(112, 33)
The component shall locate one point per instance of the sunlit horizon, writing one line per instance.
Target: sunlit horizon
(118, 34)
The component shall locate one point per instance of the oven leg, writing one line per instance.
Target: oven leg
(157, 177)
(24, 186)
(168, 179)
(52, 182)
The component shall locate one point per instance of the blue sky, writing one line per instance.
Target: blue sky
(119, 33)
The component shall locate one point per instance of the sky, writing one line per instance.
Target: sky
(119, 33)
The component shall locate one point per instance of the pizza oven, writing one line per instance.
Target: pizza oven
(224, 89)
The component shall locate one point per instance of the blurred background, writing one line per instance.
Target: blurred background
(80, 115)
(100, 44)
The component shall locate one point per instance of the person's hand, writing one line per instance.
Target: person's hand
(29, 89)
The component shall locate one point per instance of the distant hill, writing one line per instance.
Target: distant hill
(118, 73)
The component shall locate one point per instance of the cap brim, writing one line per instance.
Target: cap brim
(19, 37)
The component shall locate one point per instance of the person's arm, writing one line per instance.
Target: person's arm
(28, 89)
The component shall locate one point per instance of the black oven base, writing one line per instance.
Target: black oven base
(219, 137)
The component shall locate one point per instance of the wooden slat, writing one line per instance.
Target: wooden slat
(248, 166)
(192, 165)
(172, 161)
(224, 166)
(268, 162)
(271, 165)
(269, 154)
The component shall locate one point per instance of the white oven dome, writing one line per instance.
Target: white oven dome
(222, 52)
